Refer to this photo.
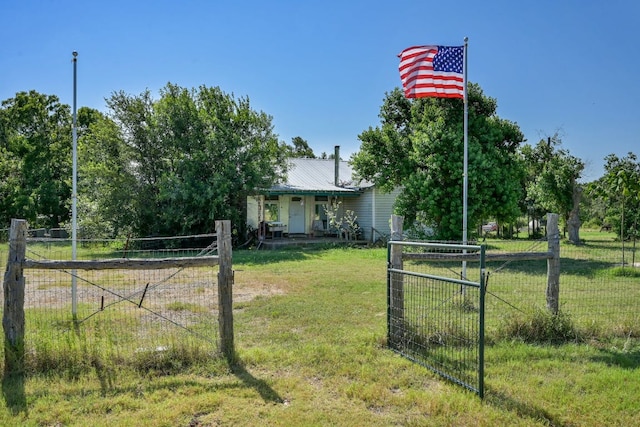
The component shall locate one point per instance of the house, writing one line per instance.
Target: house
(299, 205)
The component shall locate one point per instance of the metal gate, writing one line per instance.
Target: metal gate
(435, 313)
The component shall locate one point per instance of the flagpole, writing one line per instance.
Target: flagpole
(74, 195)
(466, 157)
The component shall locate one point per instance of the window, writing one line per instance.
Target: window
(271, 208)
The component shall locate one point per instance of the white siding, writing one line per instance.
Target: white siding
(383, 210)
(374, 209)
(363, 209)
(252, 211)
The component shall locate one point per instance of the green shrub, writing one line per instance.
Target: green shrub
(624, 272)
(539, 326)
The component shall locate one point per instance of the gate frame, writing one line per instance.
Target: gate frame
(396, 293)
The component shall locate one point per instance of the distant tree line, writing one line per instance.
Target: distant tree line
(175, 164)
(148, 166)
(418, 147)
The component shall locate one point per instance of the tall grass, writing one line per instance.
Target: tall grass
(539, 326)
(56, 344)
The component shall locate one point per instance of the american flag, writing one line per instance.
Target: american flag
(434, 71)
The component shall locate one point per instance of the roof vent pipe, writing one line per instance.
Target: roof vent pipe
(336, 177)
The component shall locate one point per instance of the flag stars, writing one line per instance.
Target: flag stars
(448, 59)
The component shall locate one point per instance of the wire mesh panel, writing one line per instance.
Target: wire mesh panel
(152, 318)
(514, 286)
(434, 318)
(599, 285)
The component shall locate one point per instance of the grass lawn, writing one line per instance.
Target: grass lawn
(312, 353)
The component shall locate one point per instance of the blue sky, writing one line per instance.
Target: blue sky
(321, 69)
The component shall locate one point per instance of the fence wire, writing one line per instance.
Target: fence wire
(149, 318)
(599, 284)
(599, 292)
(435, 316)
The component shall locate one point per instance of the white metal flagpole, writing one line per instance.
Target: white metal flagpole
(74, 196)
(466, 157)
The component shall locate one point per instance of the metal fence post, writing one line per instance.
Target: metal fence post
(553, 264)
(396, 285)
(225, 289)
(13, 317)
(481, 326)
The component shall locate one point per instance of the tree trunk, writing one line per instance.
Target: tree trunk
(573, 224)
(553, 264)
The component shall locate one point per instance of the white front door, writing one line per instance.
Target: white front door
(296, 216)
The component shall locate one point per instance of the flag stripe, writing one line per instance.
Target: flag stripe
(423, 73)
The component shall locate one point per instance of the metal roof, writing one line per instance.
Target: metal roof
(316, 176)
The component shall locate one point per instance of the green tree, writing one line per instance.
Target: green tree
(13, 204)
(619, 190)
(593, 209)
(325, 156)
(196, 155)
(553, 182)
(135, 118)
(300, 148)
(419, 147)
(107, 185)
(35, 170)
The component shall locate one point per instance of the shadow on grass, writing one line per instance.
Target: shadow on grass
(13, 392)
(522, 408)
(265, 391)
(576, 267)
(105, 375)
(613, 246)
(262, 257)
(620, 358)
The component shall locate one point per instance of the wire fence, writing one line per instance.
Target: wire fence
(150, 318)
(435, 319)
(152, 314)
(535, 291)
(598, 290)
(599, 284)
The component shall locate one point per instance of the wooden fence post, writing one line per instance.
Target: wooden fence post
(225, 289)
(553, 264)
(13, 317)
(396, 291)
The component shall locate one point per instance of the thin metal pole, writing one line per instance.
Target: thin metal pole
(466, 157)
(481, 338)
(74, 193)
